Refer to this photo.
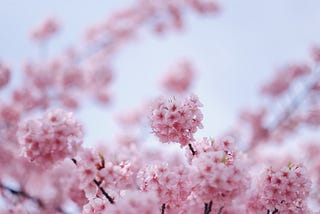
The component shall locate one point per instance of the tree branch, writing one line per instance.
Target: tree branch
(110, 199)
(163, 207)
(220, 210)
(208, 207)
(25, 195)
(191, 149)
(98, 183)
(295, 103)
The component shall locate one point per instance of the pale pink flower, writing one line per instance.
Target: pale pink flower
(87, 163)
(256, 122)
(315, 54)
(284, 78)
(5, 74)
(45, 30)
(179, 77)
(204, 6)
(116, 176)
(95, 206)
(225, 144)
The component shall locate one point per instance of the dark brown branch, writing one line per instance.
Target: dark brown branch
(205, 208)
(74, 161)
(220, 210)
(208, 207)
(163, 207)
(191, 149)
(110, 199)
(21, 193)
(98, 183)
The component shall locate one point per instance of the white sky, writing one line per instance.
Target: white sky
(234, 52)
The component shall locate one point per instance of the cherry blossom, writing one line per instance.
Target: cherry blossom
(45, 30)
(51, 138)
(4, 75)
(284, 190)
(179, 78)
(45, 166)
(220, 175)
(172, 184)
(176, 121)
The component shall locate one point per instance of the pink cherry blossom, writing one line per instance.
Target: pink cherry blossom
(284, 78)
(179, 78)
(46, 168)
(315, 54)
(5, 74)
(285, 190)
(51, 138)
(96, 205)
(176, 121)
(172, 184)
(220, 175)
(45, 30)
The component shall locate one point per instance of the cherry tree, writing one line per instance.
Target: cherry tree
(46, 168)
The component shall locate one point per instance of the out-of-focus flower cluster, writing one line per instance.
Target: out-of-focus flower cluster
(52, 138)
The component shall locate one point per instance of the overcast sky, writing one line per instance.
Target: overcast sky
(234, 52)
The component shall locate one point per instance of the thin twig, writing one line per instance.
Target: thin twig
(191, 149)
(220, 210)
(98, 183)
(24, 194)
(110, 199)
(207, 207)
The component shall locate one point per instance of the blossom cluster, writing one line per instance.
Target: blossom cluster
(178, 79)
(285, 190)
(172, 184)
(45, 30)
(176, 121)
(51, 138)
(221, 174)
(4, 75)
